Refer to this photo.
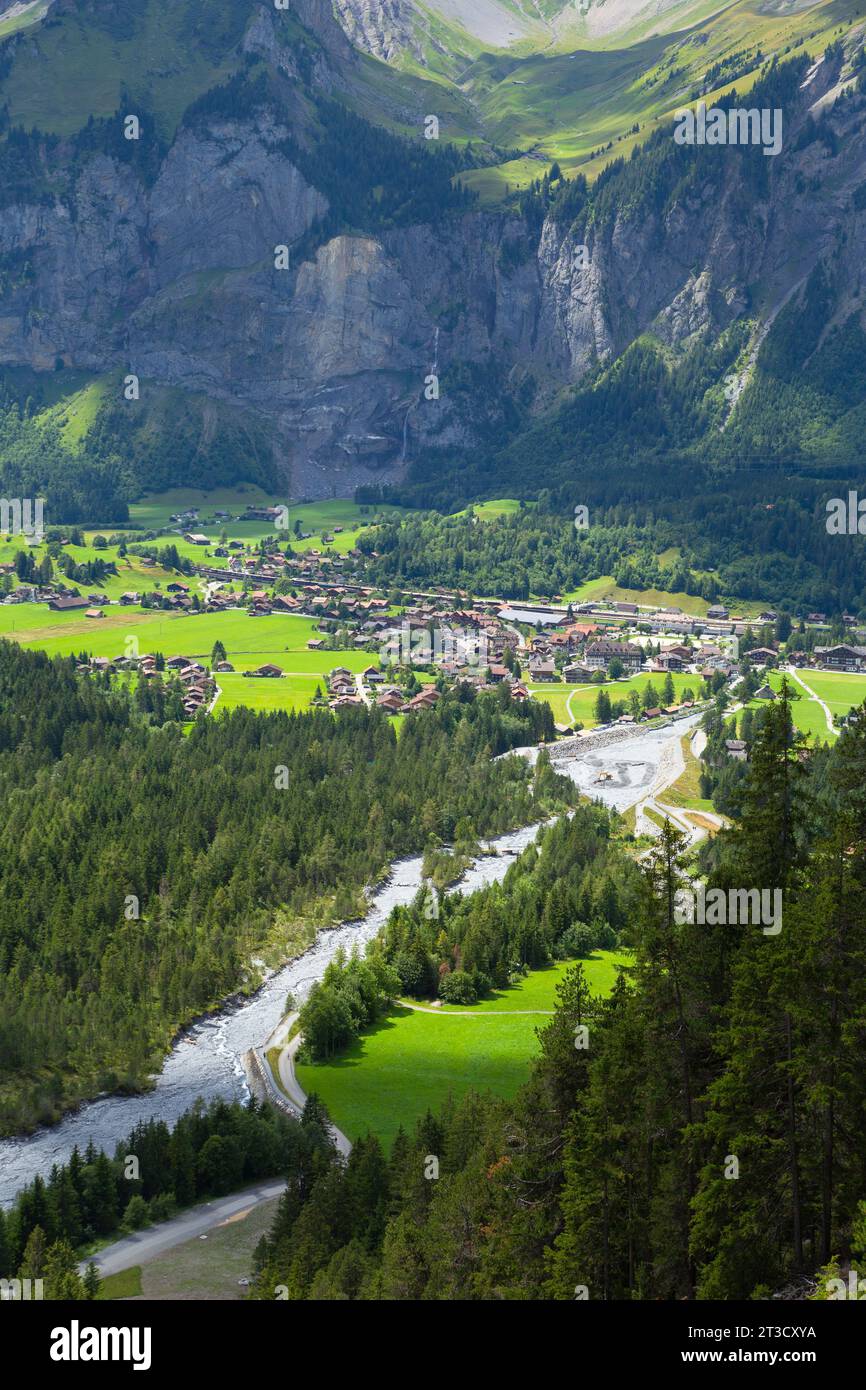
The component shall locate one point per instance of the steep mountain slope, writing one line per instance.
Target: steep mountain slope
(157, 258)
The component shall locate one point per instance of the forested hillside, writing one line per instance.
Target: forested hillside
(573, 894)
(728, 540)
(687, 343)
(141, 868)
(705, 1140)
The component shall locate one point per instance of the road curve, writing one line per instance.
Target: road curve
(288, 1085)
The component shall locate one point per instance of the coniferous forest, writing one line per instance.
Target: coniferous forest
(612, 1175)
(142, 868)
(722, 1051)
(478, 914)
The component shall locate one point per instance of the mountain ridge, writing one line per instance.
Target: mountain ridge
(157, 258)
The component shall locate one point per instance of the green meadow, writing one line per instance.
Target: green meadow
(590, 95)
(839, 691)
(573, 704)
(154, 512)
(412, 1061)
(607, 589)
(249, 642)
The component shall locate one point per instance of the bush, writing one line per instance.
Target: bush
(137, 1214)
(458, 988)
(162, 1207)
(606, 938)
(483, 983)
(416, 976)
(577, 942)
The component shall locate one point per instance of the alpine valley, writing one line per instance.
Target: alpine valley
(433, 663)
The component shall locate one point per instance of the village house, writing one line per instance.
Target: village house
(261, 514)
(66, 603)
(841, 658)
(543, 670)
(266, 672)
(668, 661)
(599, 655)
(425, 700)
(711, 656)
(390, 702)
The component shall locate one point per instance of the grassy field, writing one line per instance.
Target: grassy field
(97, 65)
(537, 990)
(576, 703)
(126, 1284)
(249, 642)
(808, 714)
(316, 517)
(606, 588)
(501, 506)
(199, 1269)
(293, 694)
(626, 77)
(839, 691)
(558, 697)
(686, 791)
(30, 13)
(412, 1061)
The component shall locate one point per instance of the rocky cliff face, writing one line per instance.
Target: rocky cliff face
(176, 280)
(386, 29)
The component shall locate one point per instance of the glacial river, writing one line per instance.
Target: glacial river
(206, 1060)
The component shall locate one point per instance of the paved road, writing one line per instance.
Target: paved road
(146, 1245)
(288, 1084)
(362, 690)
(298, 1096)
